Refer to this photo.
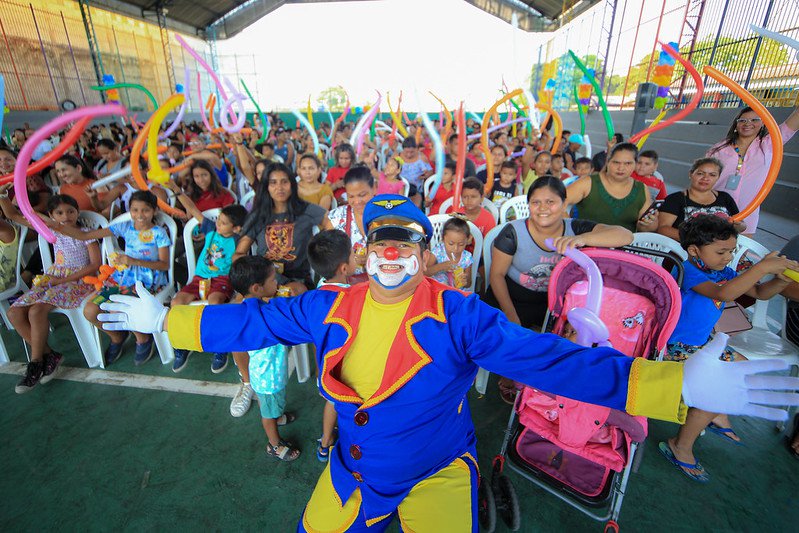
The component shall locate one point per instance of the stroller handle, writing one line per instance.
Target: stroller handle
(585, 320)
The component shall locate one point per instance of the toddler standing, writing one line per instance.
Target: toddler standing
(450, 262)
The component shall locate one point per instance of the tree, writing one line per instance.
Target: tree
(333, 98)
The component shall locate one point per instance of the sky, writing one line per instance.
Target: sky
(449, 47)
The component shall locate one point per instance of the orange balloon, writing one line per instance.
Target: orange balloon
(773, 130)
(141, 182)
(484, 137)
(558, 123)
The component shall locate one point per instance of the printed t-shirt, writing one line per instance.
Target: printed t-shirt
(679, 205)
(501, 194)
(285, 242)
(531, 266)
(699, 313)
(217, 254)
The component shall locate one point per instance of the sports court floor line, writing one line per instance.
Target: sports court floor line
(136, 381)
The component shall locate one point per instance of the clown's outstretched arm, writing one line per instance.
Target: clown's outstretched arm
(603, 376)
(250, 325)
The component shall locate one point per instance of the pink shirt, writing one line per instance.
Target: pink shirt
(753, 172)
(389, 187)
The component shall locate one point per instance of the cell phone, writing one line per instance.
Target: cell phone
(656, 205)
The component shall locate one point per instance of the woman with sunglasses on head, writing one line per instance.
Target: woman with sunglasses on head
(746, 155)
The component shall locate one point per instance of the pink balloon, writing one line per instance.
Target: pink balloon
(208, 69)
(24, 158)
(367, 124)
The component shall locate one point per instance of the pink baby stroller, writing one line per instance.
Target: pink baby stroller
(579, 452)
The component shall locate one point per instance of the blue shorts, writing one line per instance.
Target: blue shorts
(272, 405)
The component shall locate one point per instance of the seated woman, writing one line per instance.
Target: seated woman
(521, 264)
(280, 225)
(699, 197)
(613, 196)
(359, 184)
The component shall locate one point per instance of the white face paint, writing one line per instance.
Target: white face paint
(390, 273)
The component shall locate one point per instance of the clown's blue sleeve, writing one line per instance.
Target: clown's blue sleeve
(601, 376)
(250, 325)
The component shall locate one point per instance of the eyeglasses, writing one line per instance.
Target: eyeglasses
(748, 120)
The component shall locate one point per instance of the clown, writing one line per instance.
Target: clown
(397, 356)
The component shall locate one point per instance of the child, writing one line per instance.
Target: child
(583, 167)
(414, 169)
(472, 200)
(388, 181)
(498, 156)
(62, 289)
(75, 178)
(344, 156)
(309, 187)
(333, 259)
(507, 187)
(541, 165)
(211, 279)
(557, 169)
(449, 262)
(205, 189)
(445, 189)
(710, 241)
(645, 170)
(146, 259)
(254, 277)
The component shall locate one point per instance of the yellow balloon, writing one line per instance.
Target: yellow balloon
(156, 173)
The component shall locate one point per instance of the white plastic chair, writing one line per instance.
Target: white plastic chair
(17, 286)
(188, 242)
(165, 295)
(760, 342)
(406, 188)
(487, 204)
(438, 222)
(87, 335)
(519, 205)
(660, 243)
(248, 200)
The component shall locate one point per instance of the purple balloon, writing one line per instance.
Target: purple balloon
(585, 320)
(663, 91)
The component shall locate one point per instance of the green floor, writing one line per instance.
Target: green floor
(94, 457)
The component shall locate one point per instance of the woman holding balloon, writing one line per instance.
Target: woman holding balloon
(746, 154)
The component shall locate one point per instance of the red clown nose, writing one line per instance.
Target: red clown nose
(391, 253)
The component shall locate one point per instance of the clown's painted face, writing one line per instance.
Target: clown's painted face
(393, 263)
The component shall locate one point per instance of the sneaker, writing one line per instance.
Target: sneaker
(143, 352)
(181, 358)
(33, 374)
(219, 363)
(242, 400)
(114, 350)
(51, 363)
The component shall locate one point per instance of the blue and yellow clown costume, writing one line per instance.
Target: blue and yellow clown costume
(409, 448)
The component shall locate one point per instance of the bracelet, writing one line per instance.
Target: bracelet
(4, 196)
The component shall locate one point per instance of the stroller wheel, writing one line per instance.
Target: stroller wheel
(508, 503)
(487, 509)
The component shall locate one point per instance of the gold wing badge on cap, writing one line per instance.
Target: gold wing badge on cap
(389, 204)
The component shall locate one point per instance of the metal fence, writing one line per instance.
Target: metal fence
(46, 57)
(618, 38)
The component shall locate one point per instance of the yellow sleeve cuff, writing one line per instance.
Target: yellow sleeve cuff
(183, 327)
(655, 390)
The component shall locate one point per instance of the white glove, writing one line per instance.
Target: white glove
(731, 388)
(144, 313)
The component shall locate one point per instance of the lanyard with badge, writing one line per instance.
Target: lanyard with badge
(735, 180)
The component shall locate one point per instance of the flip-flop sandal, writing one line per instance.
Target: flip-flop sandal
(283, 451)
(286, 418)
(665, 449)
(724, 432)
